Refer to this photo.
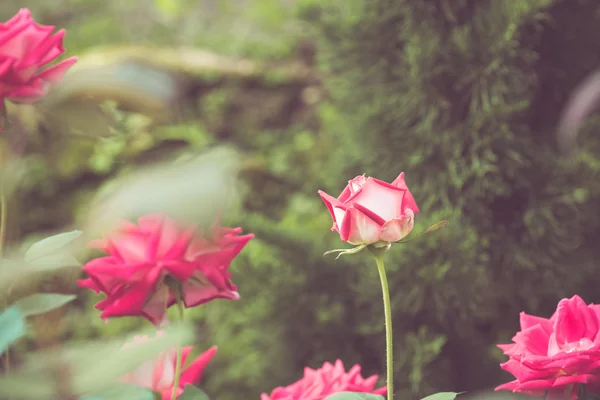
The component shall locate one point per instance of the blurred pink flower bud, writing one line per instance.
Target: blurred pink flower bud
(141, 258)
(159, 374)
(25, 49)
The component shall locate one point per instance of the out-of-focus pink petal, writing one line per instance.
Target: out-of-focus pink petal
(199, 289)
(159, 374)
(55, 74)
(141, 257)
(193, 373)
(26, 50)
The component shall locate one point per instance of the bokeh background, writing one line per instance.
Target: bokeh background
(462, 95)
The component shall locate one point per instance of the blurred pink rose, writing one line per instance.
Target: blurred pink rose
(159, 375)
(133, 276)
(25, 48)
(372, 211)
(549, 355)
(317, 384)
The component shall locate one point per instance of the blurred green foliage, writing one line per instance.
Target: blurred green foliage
(462, 95)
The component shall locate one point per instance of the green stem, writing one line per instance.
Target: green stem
(179, 349)
(7, 360)
(387, 308)
(3, 213)
(2, 239)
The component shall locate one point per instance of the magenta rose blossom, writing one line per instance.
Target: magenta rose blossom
(371, 211)
(554, 355)
(141, 258)
(159, 375)
(26, 48)
(317, 384)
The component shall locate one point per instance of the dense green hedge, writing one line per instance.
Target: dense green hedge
(465, 96)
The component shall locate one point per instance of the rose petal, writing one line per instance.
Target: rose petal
(398, 228)
(358, 228)
(193, 373)
(409, 200)
(380, 198)
(335, 207)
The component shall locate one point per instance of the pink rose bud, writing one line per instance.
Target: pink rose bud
(371, 211)
(552, 356)
(317, 384)
(25, 49)
(159, 374)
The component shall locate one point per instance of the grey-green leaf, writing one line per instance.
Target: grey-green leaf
(54, 261)
(93, 367)
(97, 368)
(354, 396)
(432, 228)
(191, 392)
(194, 190)
(50, 245)
(442, 396)
(12, 327)
(121, 391)
(41, 303)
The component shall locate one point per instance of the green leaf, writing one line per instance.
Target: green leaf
(170, 8)
(354, 396)
(191, 392)
(432, 228)
(12, 327)
(442, 396)
(54, 261)
(41, 303)
(172, 188)
(50, 245)
(121, 391)
(342, 252)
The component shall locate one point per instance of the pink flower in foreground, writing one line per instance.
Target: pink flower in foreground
(550, 355)
(25, 48)
(141, 258)
(370, 211)
(159, 375)
(317, 384)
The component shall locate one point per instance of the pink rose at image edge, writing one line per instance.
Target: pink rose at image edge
(549, 355)
(141, 256)
(369, 210)
(25, 48)
(159, 374)
(317, 384)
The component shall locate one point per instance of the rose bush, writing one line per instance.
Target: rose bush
(142, 257)
(551, 356)
(370, 211)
